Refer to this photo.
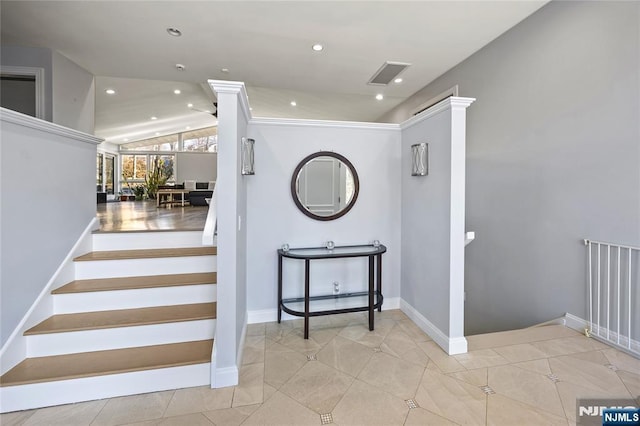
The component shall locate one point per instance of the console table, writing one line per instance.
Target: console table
(169, 194)
(311, 306)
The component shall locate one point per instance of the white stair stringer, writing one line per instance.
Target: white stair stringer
(103, 241)
(35, 395)
(144, 267)
(71, 303)
(48, 344)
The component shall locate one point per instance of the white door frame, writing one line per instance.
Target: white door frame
(38, 74)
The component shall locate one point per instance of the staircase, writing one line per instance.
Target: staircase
(140, 316)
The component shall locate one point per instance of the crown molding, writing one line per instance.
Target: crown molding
(452, 102)
(14, 117)
(237, 87)
(264, 121)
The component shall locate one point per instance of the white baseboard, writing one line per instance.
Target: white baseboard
(451, 345)
(271, 315)
(225, 377)
(15, 348)
(574, 322)
(600, 333)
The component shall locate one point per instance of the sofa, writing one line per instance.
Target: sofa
(200, 191)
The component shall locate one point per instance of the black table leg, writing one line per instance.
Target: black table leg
(371, 293)
(279, 288)
(306, 298)
(379, 260)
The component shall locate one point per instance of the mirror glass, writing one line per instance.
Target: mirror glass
(325, 185)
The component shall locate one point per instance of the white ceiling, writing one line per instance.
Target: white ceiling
(266, 44)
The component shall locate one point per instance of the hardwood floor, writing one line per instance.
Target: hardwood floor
(145, 216)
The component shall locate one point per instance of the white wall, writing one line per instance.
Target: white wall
(198, 166)
(47, 199)
(73, 93)
(553, 157)
(273, 218)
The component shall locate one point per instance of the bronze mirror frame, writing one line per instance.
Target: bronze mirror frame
(294, 179)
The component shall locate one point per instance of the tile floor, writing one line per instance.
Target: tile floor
(394, 375)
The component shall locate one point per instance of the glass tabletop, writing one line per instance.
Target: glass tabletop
(338, 251)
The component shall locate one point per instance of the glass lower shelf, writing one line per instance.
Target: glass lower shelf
(325, 305)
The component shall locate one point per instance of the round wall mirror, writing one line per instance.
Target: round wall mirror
(325, 185)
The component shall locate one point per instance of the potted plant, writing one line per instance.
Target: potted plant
(138, 191)
(161, 172)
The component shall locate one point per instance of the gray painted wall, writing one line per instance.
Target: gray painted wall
(198, 166)
(69, 89)
(74, 96)
(553, 156)
(33, 57)
(47, 198)
(426, 221)
(273, 218)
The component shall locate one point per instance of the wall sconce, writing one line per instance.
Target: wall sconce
(247, 156)
(420, 159)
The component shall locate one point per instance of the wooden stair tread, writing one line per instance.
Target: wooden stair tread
(132, 283)
(147, 253)
(100, 363)
(124, 318)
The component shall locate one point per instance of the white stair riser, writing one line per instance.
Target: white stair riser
(139, 267)
(130, 299)
(119, 338)
(24, 397)
(146, 240)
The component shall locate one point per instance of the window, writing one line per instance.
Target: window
(167, 162)
(202, 144)
(109, 170)
(99, 172)
(134, 167)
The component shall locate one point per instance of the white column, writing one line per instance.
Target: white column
(233, 114)
(457, 341)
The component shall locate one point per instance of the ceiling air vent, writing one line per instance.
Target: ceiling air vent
(387, 73)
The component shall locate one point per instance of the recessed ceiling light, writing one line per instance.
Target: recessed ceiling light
(126, 139)
(180, 67)
(293, 103)
(250, 109)
(110, 92)
(317, 47)
(153, 117)
(174, 32)
(225, 70)
(157, 133)
(188, 127)
(379, 96)
(189, 105)
(397, 80)
(177, 91)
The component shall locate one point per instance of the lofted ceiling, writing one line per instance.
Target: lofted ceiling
(266, 44)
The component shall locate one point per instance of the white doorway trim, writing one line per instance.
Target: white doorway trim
(38, 74)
